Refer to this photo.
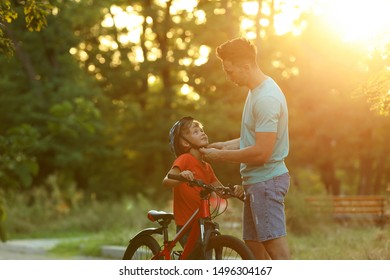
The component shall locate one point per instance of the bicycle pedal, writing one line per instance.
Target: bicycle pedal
(176, 255)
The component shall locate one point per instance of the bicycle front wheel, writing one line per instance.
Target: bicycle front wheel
(226, 247)
(143, 247)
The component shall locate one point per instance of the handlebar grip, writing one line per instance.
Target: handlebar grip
(177, 177)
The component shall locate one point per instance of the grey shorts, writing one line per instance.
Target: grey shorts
(263, 216)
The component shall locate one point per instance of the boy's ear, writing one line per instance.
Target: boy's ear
(184, 143)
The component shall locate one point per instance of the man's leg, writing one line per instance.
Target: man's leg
(278, 248)
(264, 218)
(258, 250)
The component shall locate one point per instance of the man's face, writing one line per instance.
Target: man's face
(234, 73)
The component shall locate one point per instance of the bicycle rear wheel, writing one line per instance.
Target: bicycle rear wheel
(226, 247)
(143, 247)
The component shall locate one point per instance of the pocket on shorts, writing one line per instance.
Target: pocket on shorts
(280, 187)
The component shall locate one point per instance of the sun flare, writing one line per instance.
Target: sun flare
(359, 21)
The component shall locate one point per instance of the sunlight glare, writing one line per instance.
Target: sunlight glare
(152, 79)
(200, 17)
(359, 20)
(125, 19)
(183, 5)
(185, 89)
(250, 8)
(204, 52)
(188, 91)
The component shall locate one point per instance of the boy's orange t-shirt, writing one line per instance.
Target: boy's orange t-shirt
(186, 199)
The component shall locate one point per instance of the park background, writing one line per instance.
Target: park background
(89, 90)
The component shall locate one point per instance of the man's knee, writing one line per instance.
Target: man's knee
(258, 250)
(278, 248)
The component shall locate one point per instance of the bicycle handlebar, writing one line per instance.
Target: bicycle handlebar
(200, 183)
(195, 182)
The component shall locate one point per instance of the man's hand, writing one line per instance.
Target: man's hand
(211, 154)
(216, 145)
(227, 145)
(239, 191)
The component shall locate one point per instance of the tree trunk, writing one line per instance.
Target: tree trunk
(328, 176)
(23, 57)
(366, 162)
(327, 167)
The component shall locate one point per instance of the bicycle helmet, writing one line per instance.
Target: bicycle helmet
(175, 134)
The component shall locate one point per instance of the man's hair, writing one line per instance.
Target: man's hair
(238, 50)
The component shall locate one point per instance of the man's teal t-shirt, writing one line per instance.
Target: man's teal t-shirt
(265, 110)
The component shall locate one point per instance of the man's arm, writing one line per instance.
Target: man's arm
(227, 145)
(257, 154)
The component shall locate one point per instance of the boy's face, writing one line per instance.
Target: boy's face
(196, 135)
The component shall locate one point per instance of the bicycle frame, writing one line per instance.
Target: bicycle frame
(203, 233)
(196, 229)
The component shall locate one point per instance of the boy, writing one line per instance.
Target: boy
(186, 137)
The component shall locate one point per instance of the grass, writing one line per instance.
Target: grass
(343, 243)
(89, 224)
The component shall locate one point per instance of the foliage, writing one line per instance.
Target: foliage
(35, 12)
(300, 219)
(18, 165)
(377, 90)
(55, 212)
(323, 108)
(3, 216)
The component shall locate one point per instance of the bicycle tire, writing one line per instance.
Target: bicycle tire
(226, 247)
(143, 247)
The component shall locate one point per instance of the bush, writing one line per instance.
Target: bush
(303, 219)
(55, 213)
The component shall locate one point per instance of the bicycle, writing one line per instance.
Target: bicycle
(204, 241)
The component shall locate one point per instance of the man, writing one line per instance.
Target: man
(261, 150)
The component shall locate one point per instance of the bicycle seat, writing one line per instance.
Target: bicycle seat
(155, 215)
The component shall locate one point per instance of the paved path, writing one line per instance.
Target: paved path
(38, 249)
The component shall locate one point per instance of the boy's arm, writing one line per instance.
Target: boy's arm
(169, 183)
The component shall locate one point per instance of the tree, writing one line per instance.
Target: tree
(377, 86)
(35, 12)
(333, 130)
(17, 164)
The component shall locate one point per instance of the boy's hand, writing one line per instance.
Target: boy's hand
(187, 174)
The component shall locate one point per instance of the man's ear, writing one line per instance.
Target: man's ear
(246, 66)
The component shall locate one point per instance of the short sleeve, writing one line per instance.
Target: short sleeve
(266, 112)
